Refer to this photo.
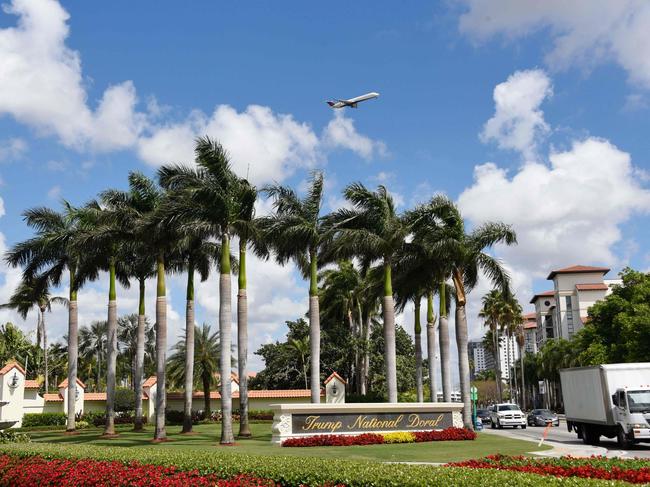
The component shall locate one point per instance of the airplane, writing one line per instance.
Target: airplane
(352, 102)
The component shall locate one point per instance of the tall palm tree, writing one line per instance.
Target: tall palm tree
(443, 339)
(30, 294)
(211, 191)
(521, 341)
(492, 312)
(467, 258)
(207, 347)
(93, 345)
(128, 328)
(50, 252)
(302, 347)
(432, 349)
(373, 231)
(296, 232)
(134, 207)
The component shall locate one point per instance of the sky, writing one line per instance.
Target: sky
(530, 113)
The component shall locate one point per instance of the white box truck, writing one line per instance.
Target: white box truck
(611, 400)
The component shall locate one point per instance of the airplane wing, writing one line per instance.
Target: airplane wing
(367, 96)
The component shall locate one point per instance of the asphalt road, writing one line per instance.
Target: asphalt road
(561, 437)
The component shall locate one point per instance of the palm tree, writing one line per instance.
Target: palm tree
(128, 328)
(302, 347)
(207, 347)
(432, 349)
(50, 252)
(30, 294)
(443, 339)
(521, 341)
(492, 312)
(92, 346)
(134, 207)
(373, 231)
(211, 192)
(467, 258)
(296, 232)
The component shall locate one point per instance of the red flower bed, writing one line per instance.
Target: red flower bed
(449, 434)
(27, 472)
(633, 471)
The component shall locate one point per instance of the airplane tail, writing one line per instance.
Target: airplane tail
(331, 103)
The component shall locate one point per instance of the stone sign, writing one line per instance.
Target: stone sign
(365, 423)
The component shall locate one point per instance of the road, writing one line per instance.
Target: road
(568, 442)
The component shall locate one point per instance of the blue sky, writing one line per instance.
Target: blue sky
(89, 91)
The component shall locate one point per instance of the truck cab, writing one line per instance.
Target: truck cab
(631, 411)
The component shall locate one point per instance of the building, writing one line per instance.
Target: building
(530, 333)
(508, 354)
(19, 396)
(483, 358)
(562, 311)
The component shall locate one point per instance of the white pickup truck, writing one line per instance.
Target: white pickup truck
(506, 415)
(611, 400)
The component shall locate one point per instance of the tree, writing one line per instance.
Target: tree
(492, 312)
(51, 252)
(405, 361)
(302, 347)
(207, 347)
(372, 231)
(15, 345)
(211, 192)
(30, 294)
(92, 348)
(296, 231)
(128, 328)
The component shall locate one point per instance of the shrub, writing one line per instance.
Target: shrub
(291, 471)
(44, 419)
(174, 417)
(399, 437)
(81, 425)
(8, 436)
(124, 400)
(95, 418)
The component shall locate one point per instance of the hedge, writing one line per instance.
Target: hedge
(297, 471)
(44, 419)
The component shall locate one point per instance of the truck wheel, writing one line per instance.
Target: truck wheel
(623, 439)
(523, 426)
(492, 426)
(590, 435)
(499, 425)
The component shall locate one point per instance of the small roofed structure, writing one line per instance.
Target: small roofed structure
(335, 388)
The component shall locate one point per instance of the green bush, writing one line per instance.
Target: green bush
(124, 400)
(297, 471)
(44, 419)
(8, 436)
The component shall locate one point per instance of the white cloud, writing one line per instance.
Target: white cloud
(41, 83)
(265, 145)
(518, 123)
(54, 192)
(568, 212)
(12, 148)
(583, 32)
(341, 133)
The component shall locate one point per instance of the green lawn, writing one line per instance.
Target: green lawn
(207, 436)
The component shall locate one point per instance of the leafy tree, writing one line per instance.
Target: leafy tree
(15, 345)
(405, 361)
(92, 350)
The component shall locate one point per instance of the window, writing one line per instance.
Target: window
(569, 315)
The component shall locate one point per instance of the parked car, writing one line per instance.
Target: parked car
(507, 415)
(483, 415)
(542, 417)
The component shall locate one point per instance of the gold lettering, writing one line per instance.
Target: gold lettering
(313, 423)
(414, 421)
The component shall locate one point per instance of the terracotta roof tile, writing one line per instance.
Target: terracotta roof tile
(530, 326)
(577, 269)
(253, 394)
(540, 295)
(530, 316)
(32, 384)
(100, 396)
(64, 384)
(53, 397)
(334, 374)
(591, 287)
(150, 381)
(11, 365)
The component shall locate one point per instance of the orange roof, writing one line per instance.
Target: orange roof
(150, 381)
(253, 394)
(56, 397)
(101, 396)
(32, 384)
(530, 316)
(64, 384)
(334, 374)
(539, 295)
(235, 376)
(591, 287)
(11, 365)
(530, 325)
(577, 269)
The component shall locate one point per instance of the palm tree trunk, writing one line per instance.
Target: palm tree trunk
(431, 349)
(390, 355)
(73, 352)
(139, 361)
(206, 395)
(419, 392)
(358, 355)
(523, 381)
(314, 328)
(514, 375)
(242, 343)
(366, 354)
(45, 361)
(225, 331)
(189, 349)
(463, 364)
(497, 362)
(445, 359)
(111, 344)
(160, 432)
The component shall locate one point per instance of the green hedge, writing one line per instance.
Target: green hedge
(44, 419)
(296, 471)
